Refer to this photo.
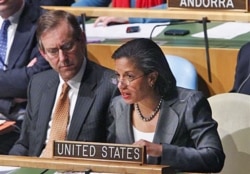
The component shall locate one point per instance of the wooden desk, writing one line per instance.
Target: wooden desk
(83, 165)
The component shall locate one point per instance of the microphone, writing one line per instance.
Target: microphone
(83, 21)
(175, 23)
(204, 21)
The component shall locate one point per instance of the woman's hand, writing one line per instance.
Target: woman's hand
(152, 149)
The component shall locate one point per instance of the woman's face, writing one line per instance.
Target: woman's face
(133, 84)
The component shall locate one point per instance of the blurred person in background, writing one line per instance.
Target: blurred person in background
(107, 20)
(20, 59)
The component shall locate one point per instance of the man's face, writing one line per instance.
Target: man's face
(64, 53)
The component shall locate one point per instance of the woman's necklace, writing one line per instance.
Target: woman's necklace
(146, 119)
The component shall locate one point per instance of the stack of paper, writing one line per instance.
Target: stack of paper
(228, 30)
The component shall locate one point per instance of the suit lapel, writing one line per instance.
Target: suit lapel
(24, 32)
(166, 128)
(85, 99)
(167, 124)
(46, 105)
(125, 129)
(84, 102)
(18, 46)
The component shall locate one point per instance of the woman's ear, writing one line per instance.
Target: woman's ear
(152, 78)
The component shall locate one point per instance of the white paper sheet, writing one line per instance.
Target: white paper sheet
(7, 169)
(119, 31)
(228, 30)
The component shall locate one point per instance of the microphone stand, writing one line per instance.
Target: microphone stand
(204, 21)
(83, 21)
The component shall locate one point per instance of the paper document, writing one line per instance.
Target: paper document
(228, 30)
(119, 31)
(7, 169)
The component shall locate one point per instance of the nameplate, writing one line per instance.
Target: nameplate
(99, 151)
(242, 5)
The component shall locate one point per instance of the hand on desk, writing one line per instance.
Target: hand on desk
(152, 149)
(107, 20)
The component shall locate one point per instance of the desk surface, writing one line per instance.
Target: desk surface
(189, 41)
(215, 15)
(31, 171)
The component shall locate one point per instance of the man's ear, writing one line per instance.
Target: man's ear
(41, 48)
(42, 52)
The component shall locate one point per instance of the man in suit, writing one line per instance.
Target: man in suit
(62, 43)
(21, 61)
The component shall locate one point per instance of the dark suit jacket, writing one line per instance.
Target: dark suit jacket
(90, 113)
(185, 129)
(242, 71)
(14, 81)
